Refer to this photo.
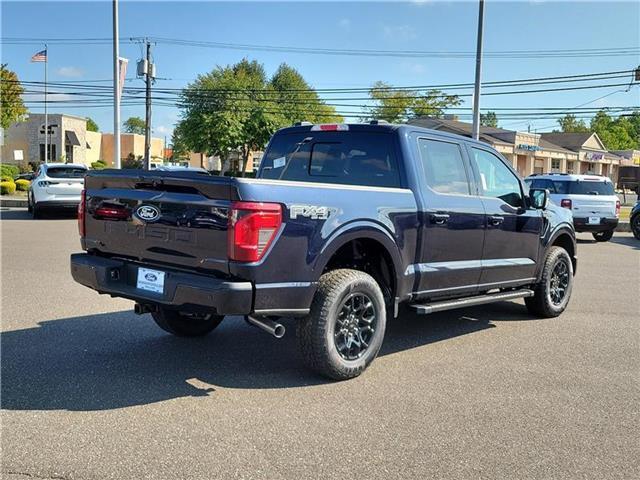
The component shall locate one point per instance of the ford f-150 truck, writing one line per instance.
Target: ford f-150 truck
(343, 224)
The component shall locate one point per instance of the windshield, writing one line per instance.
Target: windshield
(352, 158)
(66, 172)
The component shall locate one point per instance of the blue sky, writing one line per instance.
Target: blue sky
(429, 25)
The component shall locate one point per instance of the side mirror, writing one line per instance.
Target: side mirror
(539, 198)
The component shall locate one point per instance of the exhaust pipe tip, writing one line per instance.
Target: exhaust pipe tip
(279, 331)
(274, 328)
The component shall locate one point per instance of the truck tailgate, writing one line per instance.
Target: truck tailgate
(170, 218)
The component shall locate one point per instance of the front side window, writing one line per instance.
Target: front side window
(443, 167)
(496, 180)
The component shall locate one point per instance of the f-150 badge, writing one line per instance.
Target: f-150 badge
(309, 211)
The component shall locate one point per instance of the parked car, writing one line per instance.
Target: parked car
(25, 176)
(344, 224)
(590, 198)
(56, 186)
(634, 220)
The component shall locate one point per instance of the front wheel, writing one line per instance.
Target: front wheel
(345, 327)
(552, 293)
(635, 226)
(603, 236)
(184, 324)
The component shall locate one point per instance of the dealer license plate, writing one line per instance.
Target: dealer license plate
(594, 220)
(150, 280)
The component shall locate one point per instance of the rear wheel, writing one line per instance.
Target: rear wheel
(36, 212)
(552, 293)
(184, 324)
(29, 207)
(603, 236)
(344, 330)
(635, 226)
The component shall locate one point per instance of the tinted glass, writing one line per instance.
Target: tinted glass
(443, 167)
(496, 180)
(587, 187)
(352, 158)
(66, 172)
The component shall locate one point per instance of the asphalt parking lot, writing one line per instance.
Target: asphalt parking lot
(92, 391)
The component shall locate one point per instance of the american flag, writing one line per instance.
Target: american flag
(41, 56)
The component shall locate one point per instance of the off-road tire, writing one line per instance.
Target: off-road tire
(604, 236)
(315, 333)
(183, 324)
(635, 226)
(541, 304)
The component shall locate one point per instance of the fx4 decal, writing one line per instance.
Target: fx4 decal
(309, 211)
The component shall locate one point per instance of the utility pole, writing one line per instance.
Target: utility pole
(116, 88)
(150, 73)
(476, 89)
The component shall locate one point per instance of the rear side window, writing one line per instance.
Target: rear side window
(66, 172)
(443, 167)
(351, 158)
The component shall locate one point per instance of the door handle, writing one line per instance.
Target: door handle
(495, 220)
(439, 218)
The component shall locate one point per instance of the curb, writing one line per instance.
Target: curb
(623, 227)
(13, 202)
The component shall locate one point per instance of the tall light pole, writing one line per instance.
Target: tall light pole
(476, 89)
(116, 88)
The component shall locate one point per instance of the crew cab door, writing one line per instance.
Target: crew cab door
(512, 237)
(452, 219)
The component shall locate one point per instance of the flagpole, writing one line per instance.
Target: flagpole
(46, 116)
(116, 88)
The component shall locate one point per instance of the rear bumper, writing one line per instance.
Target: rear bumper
(59, 203)
(181, 290)
(580, 224)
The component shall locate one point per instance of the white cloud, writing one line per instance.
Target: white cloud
(70, 72)
(162, 130)
(399, 32)
(344, 23)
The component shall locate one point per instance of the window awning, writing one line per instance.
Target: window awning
(71, 138)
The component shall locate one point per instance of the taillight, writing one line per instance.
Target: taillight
(118, 213)
(252, 228)
(44, 183)
(617, 208)
(81, 213)
(330, 127)
(565, 203)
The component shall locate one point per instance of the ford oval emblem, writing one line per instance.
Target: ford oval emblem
(151, 277)
(148, 213)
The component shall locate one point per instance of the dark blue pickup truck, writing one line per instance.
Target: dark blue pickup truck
(343, 224)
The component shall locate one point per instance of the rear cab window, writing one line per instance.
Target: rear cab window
(343, 157)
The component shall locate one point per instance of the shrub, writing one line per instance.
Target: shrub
(22, 185)
(10, 171)
(6, 178)
(7, 188)
(98, 165)
(25, 167)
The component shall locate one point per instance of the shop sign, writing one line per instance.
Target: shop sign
(530, 148)
(594, 156)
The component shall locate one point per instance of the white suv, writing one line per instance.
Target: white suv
(591, 199)
(56, 185)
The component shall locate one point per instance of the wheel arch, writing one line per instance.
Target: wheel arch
(565, 238)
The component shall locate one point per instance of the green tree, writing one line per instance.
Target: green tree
(92, 126)
(616, 134)
(236, 108)
(135, 125)
(569, 123)
(179, 146)
(297, 100)
(489, 119)
(401, 105)
(12, 107)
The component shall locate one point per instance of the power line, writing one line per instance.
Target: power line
(550, 53)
